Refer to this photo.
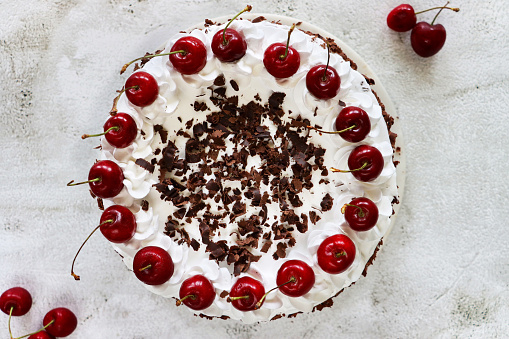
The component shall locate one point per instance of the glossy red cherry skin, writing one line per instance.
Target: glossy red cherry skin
(41, 335)
(200, 289)
(65, 322)
(17, 298)
(194, 58)
(126, 132)
(123, 226)
(336, 253)
(361, 223)
(301, 272)
(278, 66)
(161, 263)
(402, 18)
(427, 40)
(350, 116)
(247, 286)
(111, 176)
(323, 87)
(234, 49)
(146, 90)
(366, 154)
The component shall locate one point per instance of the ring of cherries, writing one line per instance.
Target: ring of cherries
(57, 323)
(426, 39)
(153, 265)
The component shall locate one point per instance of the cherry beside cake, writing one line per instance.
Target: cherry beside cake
(258, 165)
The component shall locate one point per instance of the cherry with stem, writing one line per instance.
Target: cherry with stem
(280, 60)
(120, 130)
(228, 45)
(361, 214)
(352, 124)
(322, 81)
(365, 163)
(105, 179)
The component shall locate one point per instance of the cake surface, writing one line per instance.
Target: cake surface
(226, 176)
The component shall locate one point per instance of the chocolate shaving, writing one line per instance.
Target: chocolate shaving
(145, 165)
(327, 203)
(100, 204)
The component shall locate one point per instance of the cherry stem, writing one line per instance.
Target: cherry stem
(115, 101)
(259, 303)
(9, 322)
(282, 57)
(340, 254)
(145, 268)
(149, 56)
(360, 213)
(328, 59)
(431, 9)
(333, 132)
(180, 301)
(113, 128)
(42, 329)
(364, 165)
(230, 299)
(72, 183)
(247, 9)
(441, 9)
(77, 277)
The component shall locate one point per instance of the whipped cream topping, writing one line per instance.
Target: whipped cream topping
(173, 108)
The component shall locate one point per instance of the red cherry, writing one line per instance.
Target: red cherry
(427, 39)
(323, 82)
(361, 214)
(353, 116)
(295, 278)
(282, 61)
(63, 322)
(402, 18)
(106, 179)
(141, 89)
(122, 227)
(41, 335)
(245, 294)
(369, 159)
(279, 65)
(193, 58)
(233, 49)
(18, 299)
(120, 130)
(153, 265)
(335, 254)
(197, 293)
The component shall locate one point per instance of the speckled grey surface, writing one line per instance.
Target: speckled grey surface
(444, 271)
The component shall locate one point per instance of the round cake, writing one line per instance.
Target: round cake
(243, 205)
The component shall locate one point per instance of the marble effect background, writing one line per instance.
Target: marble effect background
(445, 269)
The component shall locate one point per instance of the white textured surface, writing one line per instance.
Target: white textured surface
(445, 269)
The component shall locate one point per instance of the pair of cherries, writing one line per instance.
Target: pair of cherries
(426, 39)
(59, 322)
(364, 162)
